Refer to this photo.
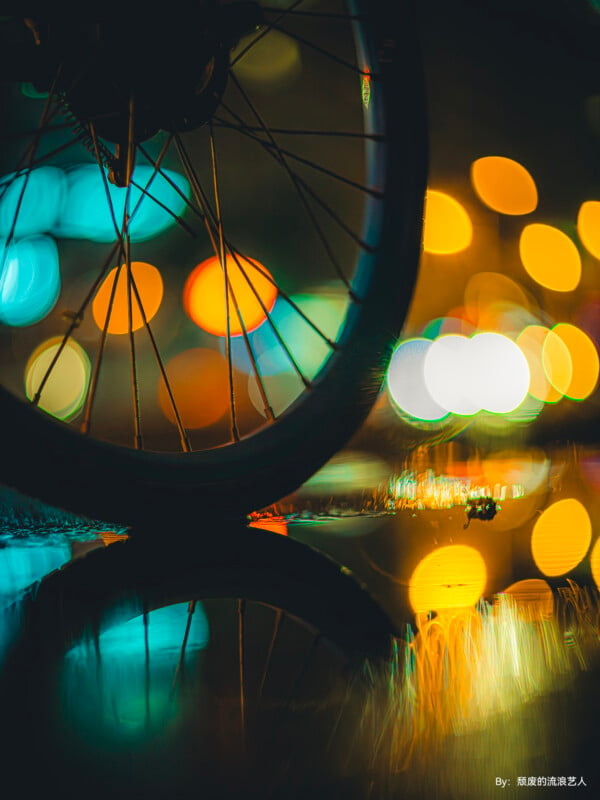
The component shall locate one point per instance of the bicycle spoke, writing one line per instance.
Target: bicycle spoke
(76, 319)
(242, 127)
(193, 208)
(264, 32)
(93, 385)
(342, 62)
(226, 288)
(135, 389)
(275, 634)
(183, 437)
(271, 145)
(178, 676)
(301, 186)
(211, 224)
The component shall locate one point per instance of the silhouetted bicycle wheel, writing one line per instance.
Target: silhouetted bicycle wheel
(241, 672)
(210, 232)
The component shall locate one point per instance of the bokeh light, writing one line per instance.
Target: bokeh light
(584, 360)
(504, 185)
(531, 343)
(29, 280)
(31, 203)
(499, 372)
(588, 226)
(274, 60)
(595, 563)
(447, 374)
(406, 381)
(134, 700)
(65, 389)
(447, 226)
(495, 302)
(561, 537)
(281, 388)
(199, 381)
(86, 211)
(250, 283)
(149, 285)
(557, 362)
(550, 257)
(348, 471)
(450, 577)
(533, 597)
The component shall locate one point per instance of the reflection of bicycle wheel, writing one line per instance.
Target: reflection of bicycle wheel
(261, 670)
(140, 194)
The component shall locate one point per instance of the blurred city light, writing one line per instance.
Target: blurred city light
(94, 208)
(447, 226)
(561, 537)
(31, 202)
(550, 257)
(450, 577)
(62, 374)
(504, 185)
(251, 295)
(29, 280)
(199, 381)
(115, 302)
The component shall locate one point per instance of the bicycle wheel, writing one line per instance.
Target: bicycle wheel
(219, 266)
(250, 687)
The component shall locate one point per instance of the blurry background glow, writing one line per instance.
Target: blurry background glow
(127, 706)
(149, 285)
(588, 226)
(29, 280)
(504, 185)
(449, 577)
(251, 291)
(65, 389)
(561, 537)
(447, 371)
(31, 204)
(499, 372)
(308, 346)
(20, 566)
(531, 341)
(86, 211)
(595, 563)
(550, 257)
(406, 381)
(274, 60)
(584, 360)
(199, 381)
(447, 227)
(533, 597)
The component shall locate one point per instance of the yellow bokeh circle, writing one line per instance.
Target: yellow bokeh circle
(588, 226)
(450, 577)
(504, 185)
(561, 537)
(585, 365)
(550, 257)
(447, 226)
(62, 374)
